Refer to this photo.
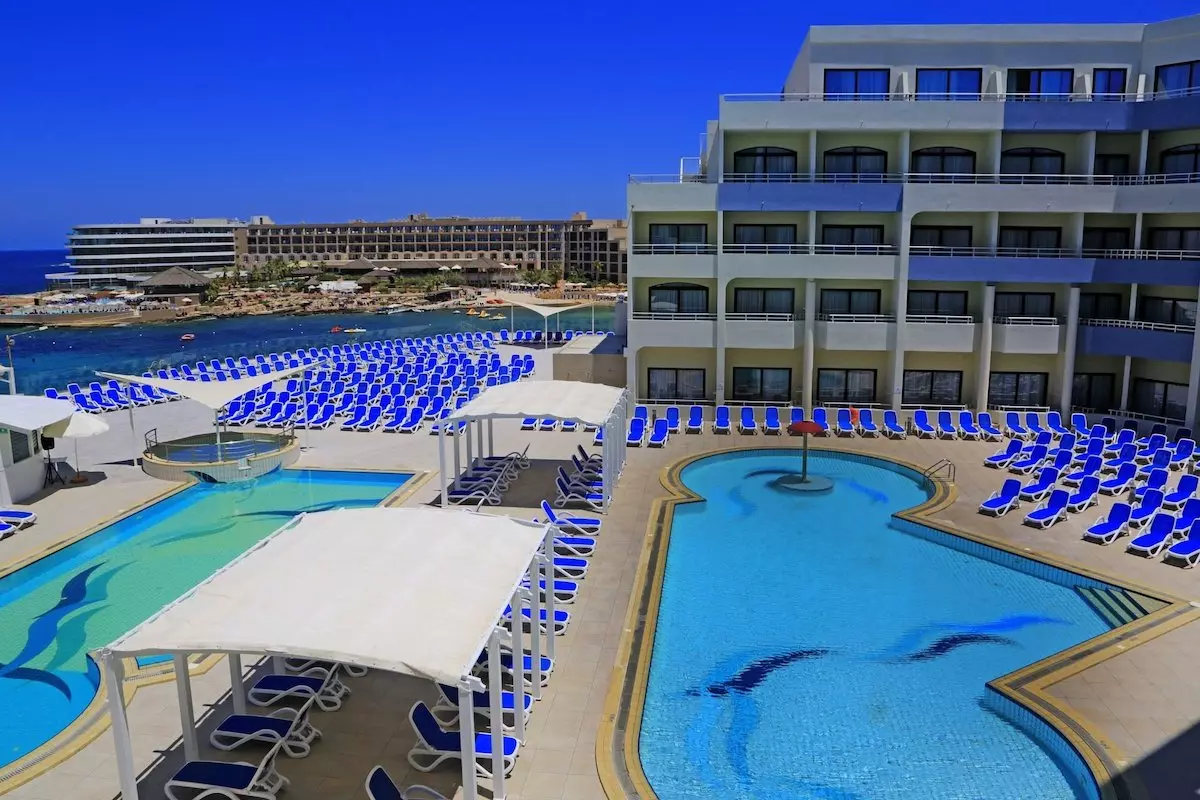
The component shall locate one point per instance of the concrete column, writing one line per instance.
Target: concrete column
(1125, 383)
(810, 324)
(1138, 220)
(1133, 300)
(1075, 233)
(984, 369)
(995, 147)
(993, 229)
(631, 370)
(1089, 150)
(1193, 395)
(814, 165)
(722, 288)
(896, 378)
(905, 151)
(1068, 361)
(1143, 152)
(812, 232)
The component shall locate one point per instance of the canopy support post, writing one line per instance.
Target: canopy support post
(478, 425)
(470, 449)
(491, 437)
(497, 714)
(137, 448)
(466, 739)
(114, 679)
(457, 457)
(535, 631)
(518, 663)
(442, 462)
(187, 715)
(548, 567)
(217, 425)
(237, 688)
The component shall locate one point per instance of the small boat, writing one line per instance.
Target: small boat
(336, 329)
(485, 315)
(355, 330)
(471, 312)
(187, 337)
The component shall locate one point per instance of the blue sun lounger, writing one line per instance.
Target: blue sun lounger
(561, 619)
(1002, 501)
(866, 423)
(988, 428)
(967, 428)
(820, 418)
(321, 683)
(1157, 479)
(529, 423)
(1110, 527)
(588, 525)
(1187, 515)
(241, 779)
(1188, 550)
(506, 665)
(771, 424)
(1028, 461)
(446, 709)
(1005, 457)
(1150, 505)
(289, 726)
(1040, 488)
(721, 420)
(17, 518)
(892, 426)
(434, 745)
(746, 421)
(844, 423)
(1085, 496)
(550, 424)
(1158, 538)
(1120, 483)
(1012, 421)
(569, 494)
(672, 417)
(1054, 424)
(1184, 490)
(920, 423)
(658, 435)
(1052, 510)
(946, 428)
(695, 421)
(637, 432)
(1089, 468)
(380, 786)
(1182, 453)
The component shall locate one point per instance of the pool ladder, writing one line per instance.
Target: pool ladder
(942, 470)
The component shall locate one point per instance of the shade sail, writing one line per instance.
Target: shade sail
(27, 413)
(410, 590)
(544, 310)
(214, 394)
(589, 403)
(77, 426)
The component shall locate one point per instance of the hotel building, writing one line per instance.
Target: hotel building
(980, 216)
(596, 248)
(122, 254)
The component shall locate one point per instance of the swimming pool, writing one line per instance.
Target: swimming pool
(53, 611)
(806, 647)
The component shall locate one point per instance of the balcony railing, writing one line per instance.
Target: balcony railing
(856, 317)
(1030, 179)
(856, 249)
(674, 249)
(999, 320)
(1137, 324)
(962, 97)
(668, 177)
(766, 249)
(1052, 252)
(1116, 412)
(673, 316)
(739, 317)
(939, 319)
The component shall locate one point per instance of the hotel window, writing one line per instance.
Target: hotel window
(764, 301)
(932, 387)
(850, 301)
(949, 84)
(1111, 164)
(1167, 310)
(941, 236)
(675, 384)
(765, 161)
(857, 84)
(843, 235)
(1024, 304)
(1177, 80)
(1108, 83)
(1185, 158)
(1173, 239)
(923, 302)
(679, 298)
(1159, 398)
(764, 234)
(1093, 390)
(1030, 238)
(1032, 161)
(754, 384)
(1017, 389)
(943, 161)
(1040, 84)
(853, 386)
(681, 236)
(1101, 305)
(1105, 238)
(855, 161)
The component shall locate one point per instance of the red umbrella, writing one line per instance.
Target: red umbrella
(804, 427)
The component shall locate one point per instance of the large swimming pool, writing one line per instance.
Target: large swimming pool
(57, 609)
(807, 648)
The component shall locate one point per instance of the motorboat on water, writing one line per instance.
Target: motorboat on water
(336, 329)
(355, 330)
(187, 337)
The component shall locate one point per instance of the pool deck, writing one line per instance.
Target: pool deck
(1143, 703)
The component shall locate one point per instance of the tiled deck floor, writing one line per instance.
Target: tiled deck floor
(1142, 701)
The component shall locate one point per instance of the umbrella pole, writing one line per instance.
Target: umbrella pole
(78, 477)
(217, 426)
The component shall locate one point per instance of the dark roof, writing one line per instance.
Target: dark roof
(177, 276)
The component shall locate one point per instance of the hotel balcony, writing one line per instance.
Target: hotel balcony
(673, 260)
(764, 331)
(1122, 337)
(669, 329)
(800, 261)
(671, 192)
(1026, 335)
(940, 334)
(855, 332)
(870, 192)
(1054, 265)
(1057, 193)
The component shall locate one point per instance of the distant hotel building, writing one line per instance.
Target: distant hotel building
(595, 248)
(980, 216)
(123, 254)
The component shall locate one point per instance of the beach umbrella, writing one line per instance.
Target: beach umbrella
(443, 268)
(457, 267)
(77, 426)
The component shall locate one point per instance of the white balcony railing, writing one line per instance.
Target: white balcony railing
(856, 317)
(1052, 252)
(766, 249)
(1147, 417)
(674, 249)
(965, 97)
(672, 316)
(1138, 324)
(938, 319)
(1031, 179)
(667, 177)
(1025, 320)
(856, 249)
(737, 317)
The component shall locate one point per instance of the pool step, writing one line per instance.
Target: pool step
(1117, 607)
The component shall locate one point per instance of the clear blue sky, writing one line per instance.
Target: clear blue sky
(325, 111)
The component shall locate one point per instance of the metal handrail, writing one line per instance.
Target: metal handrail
(793, 249)
(1051, 252)
(856, 249)
(929, 407)
(667, 177)
(1018, 178)
(856, 317)
(946, 319)
(151, 438)
(673, 316)
(1019, 409)
(1026, 320)
(762, 317)
(936, 471)
(962, 97)
(675, 249)
(1147, 417)
(1137, 324)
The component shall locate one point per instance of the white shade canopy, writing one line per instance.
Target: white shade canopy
(410, 590)
(27, 413)
(545, 310)
(77, 426)
(588, 403)
(214, 394)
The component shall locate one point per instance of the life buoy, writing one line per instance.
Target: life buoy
(853, 416)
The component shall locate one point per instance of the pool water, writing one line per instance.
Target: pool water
(805, 649)
(57, 609)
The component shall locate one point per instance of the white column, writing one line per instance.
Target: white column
(518, 658)
(1089, 150)
(1136, 244)
(535, 635)
(810, 323)
(812, 232)
(1143, 152)
(1076, 232)
(237, 688)
(1133, 299)
(995, 150)
(984, 368)
(491, 437)
(457, 456)
(442, 462)
(466, 740)
(905, 146)
(1128, 367)
(813, 166)
(993, 233)
(1193, 395)
(114, 680)
(187, 716)
(1068, 367)
(722, 287)
(137, 446)
(478, 426)
(467, 435)
(901, 310)
(497, 711)
(548, 567)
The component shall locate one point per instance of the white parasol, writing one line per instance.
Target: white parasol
(76, 427)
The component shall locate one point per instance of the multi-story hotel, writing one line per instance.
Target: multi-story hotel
(982, 216)
(595, 248)
(116, 254)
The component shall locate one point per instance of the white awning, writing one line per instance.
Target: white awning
(589, 403)
(410, 590)
(24, 412)
(544, 310)
(214, 394)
